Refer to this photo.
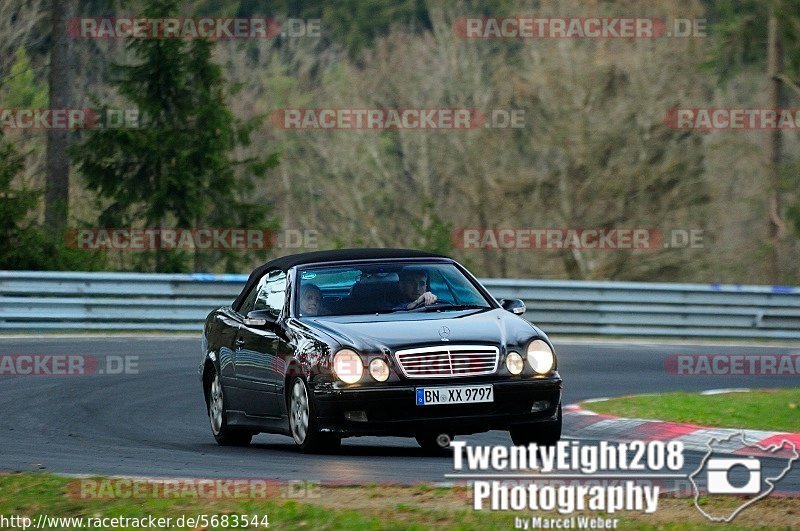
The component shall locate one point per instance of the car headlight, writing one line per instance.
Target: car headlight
(347, 366)
(540, 356)
(379, 370)
(514, 363)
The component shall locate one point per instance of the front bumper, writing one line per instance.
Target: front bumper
(393, 410)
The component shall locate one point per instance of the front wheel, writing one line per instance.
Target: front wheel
(303, 421)
(541, 433)
(224, 435)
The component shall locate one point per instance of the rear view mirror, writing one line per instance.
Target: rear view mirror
(515, 306)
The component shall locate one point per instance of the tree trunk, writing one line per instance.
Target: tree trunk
(57, 164)
(776, 225)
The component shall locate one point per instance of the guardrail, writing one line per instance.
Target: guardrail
(130, 301)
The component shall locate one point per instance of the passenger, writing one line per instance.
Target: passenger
(311, 301)
(414, 289)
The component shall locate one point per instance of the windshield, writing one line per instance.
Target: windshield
(385, 288)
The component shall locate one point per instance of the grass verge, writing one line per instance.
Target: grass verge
(363, 507)
(766, 409)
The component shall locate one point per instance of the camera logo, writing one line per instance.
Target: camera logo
(720, 472)
(740, 476)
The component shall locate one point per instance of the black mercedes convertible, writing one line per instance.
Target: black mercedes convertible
(331, 344)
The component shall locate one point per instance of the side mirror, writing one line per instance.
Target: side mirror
(515, 306)
(259, 318)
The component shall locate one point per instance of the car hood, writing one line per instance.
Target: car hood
(377, 333)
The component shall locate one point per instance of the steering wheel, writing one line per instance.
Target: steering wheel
(439, 302)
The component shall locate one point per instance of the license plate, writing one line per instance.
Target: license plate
(465, 394)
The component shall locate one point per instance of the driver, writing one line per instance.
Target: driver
(311, 301)
(414, 289)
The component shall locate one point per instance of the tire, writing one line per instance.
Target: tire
(217, 405)
(436, 443)
(541, 433)
(303, 422)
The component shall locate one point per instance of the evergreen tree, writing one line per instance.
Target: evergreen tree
(23, 244)
(176, 168)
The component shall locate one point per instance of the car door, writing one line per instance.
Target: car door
(256, 355)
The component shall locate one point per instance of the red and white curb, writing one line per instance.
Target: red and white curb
(582, 423)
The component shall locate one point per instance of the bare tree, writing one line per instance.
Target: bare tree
(777, 227)
(57, 161)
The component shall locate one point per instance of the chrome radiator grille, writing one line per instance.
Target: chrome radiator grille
(448, 361)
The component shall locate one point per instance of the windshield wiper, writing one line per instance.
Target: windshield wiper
(452, 307)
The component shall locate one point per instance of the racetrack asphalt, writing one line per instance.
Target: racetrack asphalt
(153, 422)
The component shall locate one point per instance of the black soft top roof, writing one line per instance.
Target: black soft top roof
(339, 255)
